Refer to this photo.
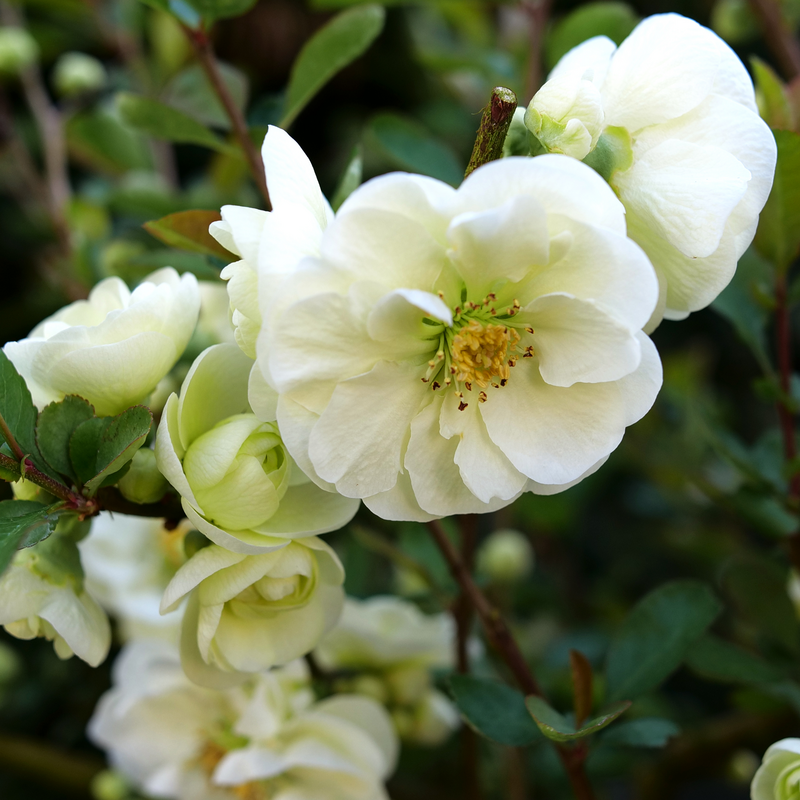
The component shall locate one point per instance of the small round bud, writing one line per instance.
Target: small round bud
(27, 490)
(370, 686)
(506, 556)
(408, 685)
(78, 73)
(742, 765)
(143, 483)
(109, 785)
(18, 50)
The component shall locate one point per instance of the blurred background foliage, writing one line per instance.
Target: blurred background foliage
(697, 489)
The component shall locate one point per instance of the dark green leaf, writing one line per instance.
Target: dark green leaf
(718, 660)
(84, 445)
(409, 146)
(98, 139)
(493, 710)
(16, 406)
(645, 732)
(23, 523)
(329, 50)
(615, 20)
(57, 423)
(221, 9)
(656, 635)
(162, 122)
(190, 93)
(557, 727)
(757, 588)
(188, 230)
(351, 178)
(778, 235)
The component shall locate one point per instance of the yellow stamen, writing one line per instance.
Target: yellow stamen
(480, 353)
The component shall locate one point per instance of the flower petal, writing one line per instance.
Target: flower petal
(594, 54)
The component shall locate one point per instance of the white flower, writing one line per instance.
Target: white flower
(778, 776)
(42, 594)
(393, 647)
(275, 239)
(266, 740)
(680, 140)
(449, 349)
(237, 484)
(128, 563)
(248, 613)
(113, 348)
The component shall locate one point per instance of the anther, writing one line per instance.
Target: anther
(482, 397)
(436, 385)
(462, 405)
(468, 386)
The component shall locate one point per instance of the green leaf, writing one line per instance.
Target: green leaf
(778, 235)
(221, 9)
(757, 588)
(99, 140)
(773, 104)
(188, 230)
(162, 122)
(16, 406)
(101, 446)
(557, 727)
(656, 635)
(191, 93)
(493, 710)
(57, 423)
(409, 146)
(645, 732)
(329, 50)
(615, 20)
(179, 9)
(23, 523)
(351, 178)
(715, 659)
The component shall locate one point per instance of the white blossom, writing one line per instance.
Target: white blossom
(670, 119)
(779, 775)
(113, 348)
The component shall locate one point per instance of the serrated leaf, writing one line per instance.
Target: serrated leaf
(162, 122)
(409, 146)
(23, 523)
(329, 50)
(645, 732)
(656, 635)
(191, 93)
(57, 423)
(757, 588)
(351, 178)
(16, 406)
(493, 710)
(773, 104)
(715, 659)
(778, 234)
(558, 728)
(188, 230)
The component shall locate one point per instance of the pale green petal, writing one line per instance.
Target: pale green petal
(169, 450)
(202, 565)
(262, 397)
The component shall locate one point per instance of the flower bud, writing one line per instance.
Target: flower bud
(109, 784)
(78, 73)
(113, 348)
(506, 556)
(18, 50)
(143, 483)
(435, 718)
(408, 684)
(778, 776)
(369, 686)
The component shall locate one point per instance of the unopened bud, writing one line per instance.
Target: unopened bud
(506, 556)
(18, 50)
(143, 483)
(370, 686)
(109, 785)
(78, 73)
(408, 684)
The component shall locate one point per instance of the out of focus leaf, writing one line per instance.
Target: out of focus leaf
(191, 93)
(715, 659)
(142, 265)
(612, 19)
(494, 710)
(757, 588)
(645, 732)
(101, 141)
(188, 230)
(162, 122)
(773, 105)
(330, 50)
(23, 523)
(179, 9)
(582, 681)
(409, 146)
(778, 235)
(558, 728)
(221, 9)
(351, 178)
(656, 635)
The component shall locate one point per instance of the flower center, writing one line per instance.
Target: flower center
(480, 353)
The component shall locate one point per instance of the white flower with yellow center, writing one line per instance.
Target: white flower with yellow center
(669, 119)
(449, 349)
(113, 348)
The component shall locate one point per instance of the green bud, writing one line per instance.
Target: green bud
(109, 785)
(27, 490)
(506, 556)
(143, 483)
(370, 686)
(408, 684)
(613, 153)
(18, 50)
(78, 73)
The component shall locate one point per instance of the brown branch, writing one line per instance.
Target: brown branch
(10, 440)
(538, 12)
(501, 638)
(494, 126)
(169, 507)
(779, 36)
(208, 61)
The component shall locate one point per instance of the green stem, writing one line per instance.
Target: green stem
(494, 126)
(9, 437)
(6, 462)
